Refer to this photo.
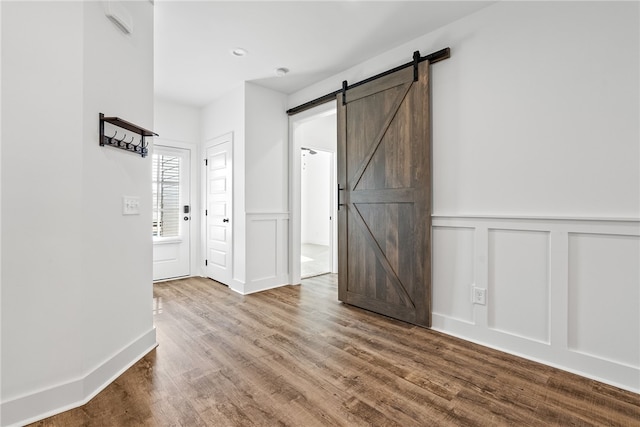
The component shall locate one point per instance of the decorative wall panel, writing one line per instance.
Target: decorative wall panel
(604, 295)
(518, 293)
(453, 275)
(561, 291)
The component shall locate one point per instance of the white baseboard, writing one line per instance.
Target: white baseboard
(264, 284)
(72, 394)
(608, 372)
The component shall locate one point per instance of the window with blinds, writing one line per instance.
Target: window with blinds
(166, 195)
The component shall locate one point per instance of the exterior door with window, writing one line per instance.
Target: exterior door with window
(171, 212)
(385, 214)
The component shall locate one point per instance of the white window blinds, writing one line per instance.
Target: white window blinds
(166, 195)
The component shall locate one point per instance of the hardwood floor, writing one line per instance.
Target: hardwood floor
(296, 356)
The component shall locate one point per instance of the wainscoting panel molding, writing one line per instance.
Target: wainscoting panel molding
(453, 246)
(561, 291)
(604, 296)
(267, 251)
(519, 283)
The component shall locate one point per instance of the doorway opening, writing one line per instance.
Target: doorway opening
(316, 211)
(314, 248)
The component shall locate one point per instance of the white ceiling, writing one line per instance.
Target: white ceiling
(314, 39)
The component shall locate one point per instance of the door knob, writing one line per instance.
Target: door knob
(186, 218)
(225, 220)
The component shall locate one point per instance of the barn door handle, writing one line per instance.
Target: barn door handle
(339, 190)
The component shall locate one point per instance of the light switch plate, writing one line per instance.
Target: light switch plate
(130, 205)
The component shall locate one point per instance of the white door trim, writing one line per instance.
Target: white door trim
(295, 199)
(186, 226)
(194, 182)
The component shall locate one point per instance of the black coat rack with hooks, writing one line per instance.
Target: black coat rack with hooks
(123, 142)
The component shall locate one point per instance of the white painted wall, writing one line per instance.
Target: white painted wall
(108, 174)
(320, 133)
(315, 197)
(266, 155)
(41, 196)
(176, 122)
(536, 114)
(70, 259)
(266, 174)
(525, 120)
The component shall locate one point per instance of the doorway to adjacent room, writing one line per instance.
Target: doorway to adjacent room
(314, 203)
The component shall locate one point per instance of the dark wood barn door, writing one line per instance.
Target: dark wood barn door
(385, 180)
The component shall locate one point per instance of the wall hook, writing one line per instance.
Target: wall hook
(124, 143)
(121, 143)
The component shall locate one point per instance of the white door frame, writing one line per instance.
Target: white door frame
(295, 199)
(194, 222)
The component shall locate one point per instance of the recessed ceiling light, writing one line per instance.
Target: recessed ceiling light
(281, 71)
(239, 52)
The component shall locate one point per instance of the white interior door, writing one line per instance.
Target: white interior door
(171, 213)
(218, 210)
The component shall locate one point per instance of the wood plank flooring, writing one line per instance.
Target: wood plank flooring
(295, 356)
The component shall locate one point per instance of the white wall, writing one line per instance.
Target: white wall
(559, 129)
(176, 122)
(321, 133)
(315, 197)
(266, 174)
(41, 196)
(70, 259)
(108, 174)
(525, 120)
(536, 116)
(266, 155)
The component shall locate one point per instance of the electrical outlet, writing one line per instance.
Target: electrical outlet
(479, 296)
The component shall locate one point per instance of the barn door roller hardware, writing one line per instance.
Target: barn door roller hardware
(432, 58)
(123, 143)
(345, 86)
